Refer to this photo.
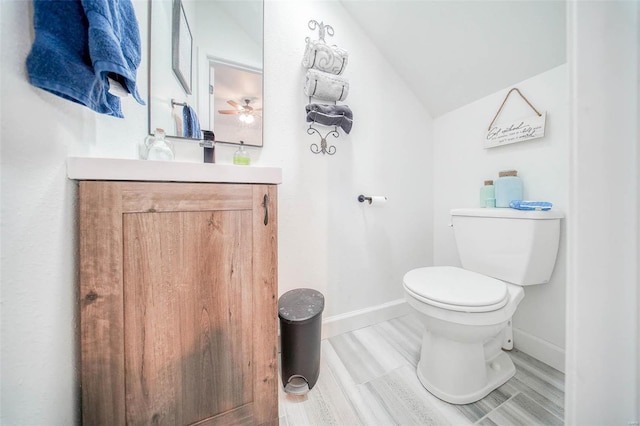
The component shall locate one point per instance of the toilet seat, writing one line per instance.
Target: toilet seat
(456, 289)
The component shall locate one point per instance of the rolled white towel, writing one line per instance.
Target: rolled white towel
(327, 87)
(319, 55)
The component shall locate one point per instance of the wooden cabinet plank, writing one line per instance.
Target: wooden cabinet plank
(101, 315)
(159, 197)
(265, 303)
(242, 416)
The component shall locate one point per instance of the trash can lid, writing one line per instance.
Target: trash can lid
(300, 304)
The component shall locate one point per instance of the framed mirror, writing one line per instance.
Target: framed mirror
(225, 65)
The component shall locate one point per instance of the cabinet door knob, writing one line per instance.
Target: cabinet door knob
(265, 203)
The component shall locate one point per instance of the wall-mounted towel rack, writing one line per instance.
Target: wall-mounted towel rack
(325, 83)
(324, 148)
(175, 103)
(322, 28)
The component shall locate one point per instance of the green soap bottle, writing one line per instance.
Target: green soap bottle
(241, 156)
(488, 195)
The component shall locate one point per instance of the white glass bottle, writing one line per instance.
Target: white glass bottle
(158, 148)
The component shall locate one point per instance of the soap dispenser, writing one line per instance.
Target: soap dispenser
(158, 148)
(241, 156)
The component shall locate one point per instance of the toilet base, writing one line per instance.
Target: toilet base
(498, 370)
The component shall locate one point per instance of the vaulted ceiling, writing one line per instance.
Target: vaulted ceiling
(453, 52)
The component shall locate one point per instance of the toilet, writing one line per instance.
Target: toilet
(466, 312)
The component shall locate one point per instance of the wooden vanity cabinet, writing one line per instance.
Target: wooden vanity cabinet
(178, 303)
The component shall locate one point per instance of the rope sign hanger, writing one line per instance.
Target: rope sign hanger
(505, 100)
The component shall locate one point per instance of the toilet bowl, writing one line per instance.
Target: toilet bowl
(465, 316)
(466, 313)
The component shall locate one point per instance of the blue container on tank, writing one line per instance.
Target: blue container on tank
(508, 188)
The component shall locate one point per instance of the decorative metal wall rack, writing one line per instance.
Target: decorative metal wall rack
(324, 81)
(324, 148)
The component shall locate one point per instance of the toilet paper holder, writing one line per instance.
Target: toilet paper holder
(363, 198)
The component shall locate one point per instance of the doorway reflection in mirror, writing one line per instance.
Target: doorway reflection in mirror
(235, 103)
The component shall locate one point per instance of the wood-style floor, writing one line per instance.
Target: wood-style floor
(368, 377)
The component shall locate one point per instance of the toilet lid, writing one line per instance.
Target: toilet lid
(456, 289)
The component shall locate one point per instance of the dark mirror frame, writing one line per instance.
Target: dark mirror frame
(180, 36)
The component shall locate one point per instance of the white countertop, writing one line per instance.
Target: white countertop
(85, 168)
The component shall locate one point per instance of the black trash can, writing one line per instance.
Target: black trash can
(300, 313)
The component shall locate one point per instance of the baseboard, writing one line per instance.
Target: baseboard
(343, 323)
(541, 350)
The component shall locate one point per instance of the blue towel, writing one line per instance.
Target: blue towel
(190, 123)
(78, 44)
(114, 42)
(530, 205)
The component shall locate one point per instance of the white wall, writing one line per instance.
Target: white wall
(461, 166)
(602, 297)
(355, 255)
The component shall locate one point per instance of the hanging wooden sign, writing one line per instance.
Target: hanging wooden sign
(515, 131)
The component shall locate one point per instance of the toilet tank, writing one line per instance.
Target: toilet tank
(516, 246)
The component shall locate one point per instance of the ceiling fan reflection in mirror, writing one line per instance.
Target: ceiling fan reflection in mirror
(246, 112)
